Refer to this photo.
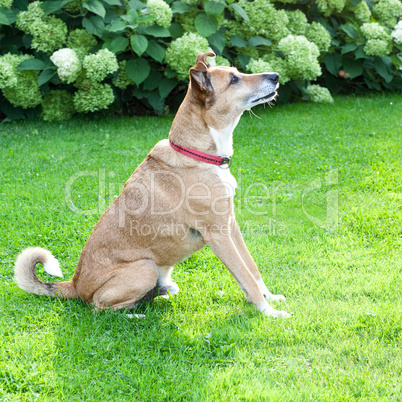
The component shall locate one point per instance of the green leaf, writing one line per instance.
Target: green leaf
(372, 84)
(238, 41)
(52, 6)
(96, 7)
(205, 25)
(145, 19)
(12, 112)
(354, 3)
(166, 86)
(27, 41)
(259, 41)
(352, 67)
(214, 8)
(240, 11)
(349, 47)
(350, 31)
(382, 70)
(112, 2)
(397, 62)
(139, 43)
(156, 51)
(45, 76)
(243, 60)
(3, 19)
(7, 17)
(360, 54)
(118, 45)
(118, 26)
(31, 64)
(136, 5)
(94, 25)
(155, 100)
(157, 31)
(175, 30)
(131, 17)
(333, 62)
(153, 80)
(178, 7)
(21, 5)
(138, 70)
(218, 41)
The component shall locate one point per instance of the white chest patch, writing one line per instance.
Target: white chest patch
(224, 143)
(227, 180)
(224, 138)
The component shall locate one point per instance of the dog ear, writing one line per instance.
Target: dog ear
(203, 57)
(199, 79)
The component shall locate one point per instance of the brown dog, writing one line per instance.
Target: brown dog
(178, 200)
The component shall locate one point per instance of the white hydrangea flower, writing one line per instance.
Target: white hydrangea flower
(161, 11)
(301, 57)
(69, 66)
(182, 53)
(397, 33)
(258, 66)
(319, 94)
(97, 66)
(379, 41)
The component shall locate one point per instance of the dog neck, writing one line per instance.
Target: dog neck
(195, 127)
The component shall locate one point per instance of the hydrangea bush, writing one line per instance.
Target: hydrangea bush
(69, 66)
(127, 56)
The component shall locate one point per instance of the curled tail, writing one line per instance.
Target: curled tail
(26, 278)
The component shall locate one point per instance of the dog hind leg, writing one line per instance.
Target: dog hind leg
(165, 282)
(127, 285)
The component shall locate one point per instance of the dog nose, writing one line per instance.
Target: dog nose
(274, 77)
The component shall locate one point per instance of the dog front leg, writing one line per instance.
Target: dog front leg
(250, 263)
(224, 248)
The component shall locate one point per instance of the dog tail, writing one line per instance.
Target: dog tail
(26, 278)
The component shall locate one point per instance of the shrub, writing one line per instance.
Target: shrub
(20, 88)
(397, 33)
(97, 66)
(68, 64)
(379, 42)
(81, 42)
(96, 97)
(319, 94)
(49, 33)
(301, 57)
(388, 11)
(57, 105)
(317, 34)
(136, 54)
(182, 52)
(161, 12)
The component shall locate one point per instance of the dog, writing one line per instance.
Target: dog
(179, 199)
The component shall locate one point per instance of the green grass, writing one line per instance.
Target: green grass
(320, 204)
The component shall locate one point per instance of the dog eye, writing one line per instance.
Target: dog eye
(234, 80)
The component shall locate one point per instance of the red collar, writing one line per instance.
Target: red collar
(201, 156)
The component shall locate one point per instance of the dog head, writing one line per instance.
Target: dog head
(226, 90)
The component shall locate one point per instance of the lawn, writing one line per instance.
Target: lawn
(320, 206)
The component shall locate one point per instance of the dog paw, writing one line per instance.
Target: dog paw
(173, 288)
(267, 294)
(170, 288)
(269, 311)
(276, 313)
(271, 297)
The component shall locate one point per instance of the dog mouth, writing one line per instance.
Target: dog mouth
(265, 98)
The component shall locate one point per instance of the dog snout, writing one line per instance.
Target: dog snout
(273, 77)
